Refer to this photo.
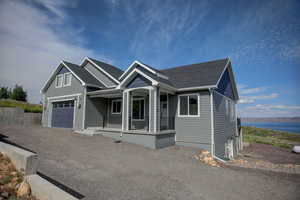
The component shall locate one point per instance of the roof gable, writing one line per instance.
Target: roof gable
(84, 77)
(136, 64)
(110, 71)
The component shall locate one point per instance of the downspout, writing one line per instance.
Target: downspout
(84, 107)
(212, 124)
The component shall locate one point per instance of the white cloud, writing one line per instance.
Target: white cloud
(159, 23)
(267, 110)
(252, 99)
(30, 50)
(252, 90)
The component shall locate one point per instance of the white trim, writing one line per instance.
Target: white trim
(226, 66)
(123, 111)
(138, 99)
(96, 77)
(144, 66)
(212, 124)
(197, 88)
(69, 84)
(59, 100)
(62, 81)
(127, 113)
(155, 110)
(219, 159)
(82, 82)
(137, 88)
(150, 110)
(188, 108)
(84, 108)
(100, 68)
(154, 82)
(63, 96)
(112, 101)
(52, 74)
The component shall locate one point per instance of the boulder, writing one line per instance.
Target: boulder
(296, 149)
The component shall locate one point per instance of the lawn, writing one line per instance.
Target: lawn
(33, 108)
(267, 136)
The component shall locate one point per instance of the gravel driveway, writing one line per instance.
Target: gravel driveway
(98, 168)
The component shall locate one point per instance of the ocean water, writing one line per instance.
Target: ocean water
(291, 127)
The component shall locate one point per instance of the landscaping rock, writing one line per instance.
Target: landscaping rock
(206, 157)
(24, 190)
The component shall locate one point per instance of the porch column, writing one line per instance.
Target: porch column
(124, 111)
(156, 110)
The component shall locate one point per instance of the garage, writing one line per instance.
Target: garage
(63, 114)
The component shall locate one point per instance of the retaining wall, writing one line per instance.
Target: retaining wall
(17, 116)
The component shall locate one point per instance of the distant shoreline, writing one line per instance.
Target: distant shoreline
(270, 119)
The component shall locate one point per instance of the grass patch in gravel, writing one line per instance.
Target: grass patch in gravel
(271, 137)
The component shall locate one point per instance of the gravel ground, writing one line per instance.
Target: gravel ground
(272, 154)
(98, 168)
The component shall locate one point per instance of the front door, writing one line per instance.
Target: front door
(163, 112)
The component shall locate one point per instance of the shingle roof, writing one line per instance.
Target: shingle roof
(84, 75)
(112, 70)
(196, 75)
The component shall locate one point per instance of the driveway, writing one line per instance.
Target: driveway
(98, 168)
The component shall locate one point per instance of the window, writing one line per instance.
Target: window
(189, 105)
(138, 109)
(67, 79)
(59, 80)
(116, 106)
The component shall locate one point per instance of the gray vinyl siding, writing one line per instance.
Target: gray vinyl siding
(95, 112)
(113, 120)
(225, 86)
(75, 88)
(224, 128)
(138, 81)
(195, 131)
(100, 75)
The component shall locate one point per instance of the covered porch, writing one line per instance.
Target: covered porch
(143, 110)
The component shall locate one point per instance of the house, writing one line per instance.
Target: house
(192, 105)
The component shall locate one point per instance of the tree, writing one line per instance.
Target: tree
(4, 93)
(18, 93)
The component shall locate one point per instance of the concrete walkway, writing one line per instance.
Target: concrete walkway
(98, 168)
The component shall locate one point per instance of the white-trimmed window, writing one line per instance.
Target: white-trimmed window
(67, 79)
(116, 106)
(59, 81)
(188, 105)
(138, 109)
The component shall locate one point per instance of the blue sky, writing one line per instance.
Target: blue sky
(260, 36)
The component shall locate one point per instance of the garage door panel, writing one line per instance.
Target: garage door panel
(63, 114)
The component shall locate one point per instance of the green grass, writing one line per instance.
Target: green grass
(32, 108)
(271, 137)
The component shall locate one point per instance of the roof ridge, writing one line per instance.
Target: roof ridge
(106, 63)
(187, 65)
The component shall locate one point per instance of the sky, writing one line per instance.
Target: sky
(261, 37)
